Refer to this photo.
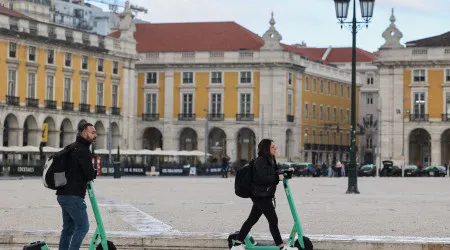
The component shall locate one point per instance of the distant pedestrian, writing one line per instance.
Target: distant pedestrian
(225, 166)
(342, 169)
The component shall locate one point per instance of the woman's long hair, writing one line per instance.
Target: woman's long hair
(264, 150)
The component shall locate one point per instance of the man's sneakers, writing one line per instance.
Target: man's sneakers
(240, 247)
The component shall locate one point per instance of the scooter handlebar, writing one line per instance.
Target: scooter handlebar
(288, 174)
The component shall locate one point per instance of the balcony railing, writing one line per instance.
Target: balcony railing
(12, 100)
(245, 117)
(85, 108)
(446, 117)
(307, 146)
(32, 102)
(290, 118)
(418, 117)
(99, 109)
(115, 111)
(150, 117)
(186, 117)
(50, 104)
(215, 117)
(67, 106)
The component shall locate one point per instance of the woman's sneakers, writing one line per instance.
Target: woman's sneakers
(238, 247)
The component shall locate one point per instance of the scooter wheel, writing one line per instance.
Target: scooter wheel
(231, 237)
(111, 246)
(308, 244)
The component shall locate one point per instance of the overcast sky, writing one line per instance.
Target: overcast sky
(311, 21)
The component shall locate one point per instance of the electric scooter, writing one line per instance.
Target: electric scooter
(302, 242)
(98, 242)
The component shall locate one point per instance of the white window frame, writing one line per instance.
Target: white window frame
(419, 70)
(181, 100)
(290, 78)
(15, 82)
(30, 48)
(314, 87)
(444, 97)
(370, 78)
(413, 92)
(46, 87)
(348, 116)
(146, 77)
(112, 94)
(98, 83)
(328, 137)
(52, 56)
(306, 136)
(447, 75)
(239, 101)
(101, 62)
(152, 92)
(320, 137)
(67, 54)
(188, 83)
(341, 88)
(70, 89)
(341, 115)
(10, 44)
(321, 87)
(251, 77)
(328, 87)
(306, 110)
(114, 63)
(211, 78)
(290, 99)
(307, 83)
(320, 112)
(313, 136)
(210, 104)
(348, 91)
(87, 62)
(328, 113)
(35, 84)
(81, 91)
(335, 114)
(335, 89)
(313, 112)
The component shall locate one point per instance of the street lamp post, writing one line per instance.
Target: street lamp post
(341, 14)
(206, 135)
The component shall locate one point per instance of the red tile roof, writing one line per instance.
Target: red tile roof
(9, 12)
(442, 40)
(207, 36)
(222, 36)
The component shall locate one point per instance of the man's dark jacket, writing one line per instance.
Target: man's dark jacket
(265, 178)
(80, 169)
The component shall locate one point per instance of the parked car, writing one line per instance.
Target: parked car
(390, 170)
(411, 171)
(435, 170)
(301, 168)
(367, 170)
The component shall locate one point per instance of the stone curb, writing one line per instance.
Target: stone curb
(175, 240)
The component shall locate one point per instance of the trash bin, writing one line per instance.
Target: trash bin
(118, 169)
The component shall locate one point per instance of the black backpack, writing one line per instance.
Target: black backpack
(243, 180)
(55, 176)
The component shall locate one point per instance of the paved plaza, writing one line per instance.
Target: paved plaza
(176, 205)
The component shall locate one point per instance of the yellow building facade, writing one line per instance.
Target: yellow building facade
(61, 78)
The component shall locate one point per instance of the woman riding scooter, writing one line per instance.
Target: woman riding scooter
(265, 181)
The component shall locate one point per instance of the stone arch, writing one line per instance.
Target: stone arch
(52, 132)
(420, 147)
(152, 139)
(66, 134)
(217, 143)
(246, 144)
(30, 132)
(115, 134)
(11, 131)
(445, 147)
(289, 145)
(81, 122)
(100, 142)
(188, 139)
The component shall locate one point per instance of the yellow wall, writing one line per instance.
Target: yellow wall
(256, 94)
(41, 76)
(326, 100)
(201, 93)
(4, 70)
(162, 82)
(176, 94)
(230, 94)
(140, 96)
(434, 80)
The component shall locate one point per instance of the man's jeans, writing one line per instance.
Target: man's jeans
(75, 222)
